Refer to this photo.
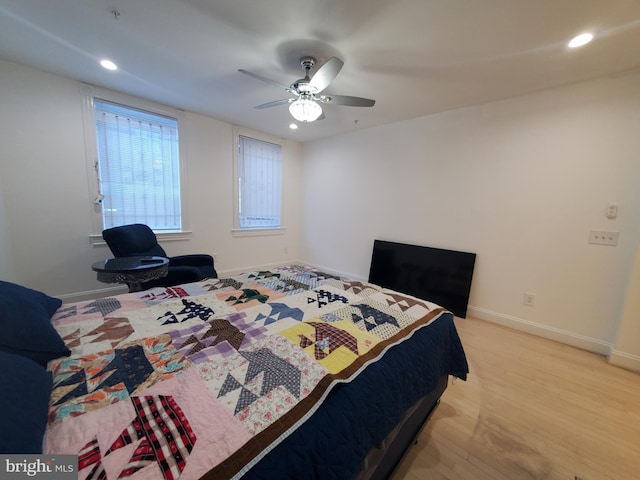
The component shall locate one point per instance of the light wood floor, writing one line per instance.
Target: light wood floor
(530, 409)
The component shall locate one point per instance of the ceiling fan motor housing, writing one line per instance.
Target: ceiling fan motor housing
(303, 85)
(307, 62)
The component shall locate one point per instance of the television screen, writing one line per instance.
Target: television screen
(433, 274)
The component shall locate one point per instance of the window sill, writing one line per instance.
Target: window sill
(255, 232)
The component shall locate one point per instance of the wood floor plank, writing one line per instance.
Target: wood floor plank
(530, 409)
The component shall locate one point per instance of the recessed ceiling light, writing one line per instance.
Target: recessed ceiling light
(108, 64)
(580, 40)
(293, 126)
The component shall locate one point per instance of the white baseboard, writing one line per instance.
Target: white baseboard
(625, 360)
(620, 359)
(556, 334)
(617, 358)
(545, 331)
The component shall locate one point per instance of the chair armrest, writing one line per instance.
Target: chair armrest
(193, 260)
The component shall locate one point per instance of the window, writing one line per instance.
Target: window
(138, 166)
(259, 184)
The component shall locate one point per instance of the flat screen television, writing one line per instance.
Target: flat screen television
(433, 274)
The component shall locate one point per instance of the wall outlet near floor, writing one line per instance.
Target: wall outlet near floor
(601, 237)
(529, 299)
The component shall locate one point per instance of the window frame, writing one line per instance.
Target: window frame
(256, 231)
(90, 92)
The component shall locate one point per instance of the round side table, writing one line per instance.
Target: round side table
(131, 270)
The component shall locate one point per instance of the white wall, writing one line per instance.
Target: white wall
(626, 352)
(47, 204)
(519, 182)
(6, 258)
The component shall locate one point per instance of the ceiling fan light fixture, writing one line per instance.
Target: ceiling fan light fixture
(305, 110)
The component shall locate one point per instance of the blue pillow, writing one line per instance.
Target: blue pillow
(25, 324)
(24, 404)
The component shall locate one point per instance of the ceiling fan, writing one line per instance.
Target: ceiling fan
(307, 91)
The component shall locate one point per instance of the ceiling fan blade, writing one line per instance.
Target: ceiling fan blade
(350, 101)
(264, 79)
(326, 73)
(275, 103)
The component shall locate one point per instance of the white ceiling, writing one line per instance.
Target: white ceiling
(415, 57)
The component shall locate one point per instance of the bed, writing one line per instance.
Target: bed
(283, 373)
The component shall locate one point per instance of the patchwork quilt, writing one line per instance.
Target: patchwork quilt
(207, 378)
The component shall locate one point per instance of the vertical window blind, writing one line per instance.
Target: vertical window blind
(138, 167)
(260, 183)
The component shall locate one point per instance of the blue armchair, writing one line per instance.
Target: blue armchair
(139, 240)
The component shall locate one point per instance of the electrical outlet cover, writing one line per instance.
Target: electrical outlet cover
(601, 237)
